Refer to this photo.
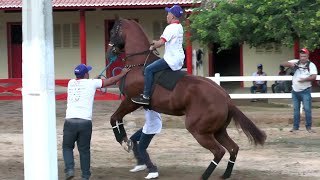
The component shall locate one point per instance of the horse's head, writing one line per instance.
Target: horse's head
(116, 44)
(126, 36)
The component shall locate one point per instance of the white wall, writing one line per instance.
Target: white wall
(270, 60)
(65, 59)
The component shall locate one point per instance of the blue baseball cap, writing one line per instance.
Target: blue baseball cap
(176, 10)
(82, 69)
(259, 66)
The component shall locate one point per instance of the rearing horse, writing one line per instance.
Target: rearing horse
(208, 107)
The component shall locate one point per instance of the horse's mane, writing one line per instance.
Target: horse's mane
(140, 27)
(135, 24)
(136, 33)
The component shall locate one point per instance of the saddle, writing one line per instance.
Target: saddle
(167, 78)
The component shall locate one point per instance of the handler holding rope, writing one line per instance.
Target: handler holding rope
(78, 123)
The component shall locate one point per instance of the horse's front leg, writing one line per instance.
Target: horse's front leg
(116, 121)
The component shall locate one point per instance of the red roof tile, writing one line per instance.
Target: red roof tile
(7, 4)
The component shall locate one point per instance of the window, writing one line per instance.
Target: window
(66, 35)
(260, 49)
(269, 48)
(16, 34)
(277, 48)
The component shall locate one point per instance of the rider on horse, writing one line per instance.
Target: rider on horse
(207, 114)
(172, 38)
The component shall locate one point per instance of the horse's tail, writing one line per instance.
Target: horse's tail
(253, 133)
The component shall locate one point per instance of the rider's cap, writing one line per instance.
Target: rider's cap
(82, 69)
(259, 66)
(176, 10)
(304, 51)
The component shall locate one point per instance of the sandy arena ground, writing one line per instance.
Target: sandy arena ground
(285, 156)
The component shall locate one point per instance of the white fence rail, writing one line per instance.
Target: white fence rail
(217, 78)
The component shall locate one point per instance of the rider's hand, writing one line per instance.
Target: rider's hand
(125, 71)
(152, 48)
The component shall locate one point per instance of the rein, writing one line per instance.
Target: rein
(136, 65)
(135, 54)
(133, 65)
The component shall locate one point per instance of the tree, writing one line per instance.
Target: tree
(258, 22)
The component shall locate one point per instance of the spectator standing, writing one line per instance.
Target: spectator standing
(305, 72)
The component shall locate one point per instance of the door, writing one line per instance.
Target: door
(227, 63)
(15, 50)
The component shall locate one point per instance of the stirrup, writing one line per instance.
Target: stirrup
(141, 100)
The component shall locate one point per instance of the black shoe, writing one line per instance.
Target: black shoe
(69, 174)
(141, 100)
(311, 130)
(294, 130)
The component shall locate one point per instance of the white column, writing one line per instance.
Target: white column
(217, 78)
(38, 91)
(194, 63)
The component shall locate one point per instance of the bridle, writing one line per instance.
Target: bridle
(117, 49)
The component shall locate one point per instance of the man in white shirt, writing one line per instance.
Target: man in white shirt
(260, 86)
(172, 38)
(78, 124)
(305, 73)
(152, 126)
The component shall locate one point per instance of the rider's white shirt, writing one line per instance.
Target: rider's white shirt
(153, 124)
(302, 72)
(80, 97)
(173, 54)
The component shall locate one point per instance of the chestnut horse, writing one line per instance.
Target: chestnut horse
(207, 107)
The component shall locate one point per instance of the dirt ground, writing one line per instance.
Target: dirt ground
(178, 156)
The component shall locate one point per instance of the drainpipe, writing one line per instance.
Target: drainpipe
(188, 47)
(83, 48)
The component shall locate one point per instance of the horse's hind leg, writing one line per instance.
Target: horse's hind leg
(209, 142)
(224, 139)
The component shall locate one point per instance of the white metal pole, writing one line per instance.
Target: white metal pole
(194, 63)
(38, 91)
(217, 78)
